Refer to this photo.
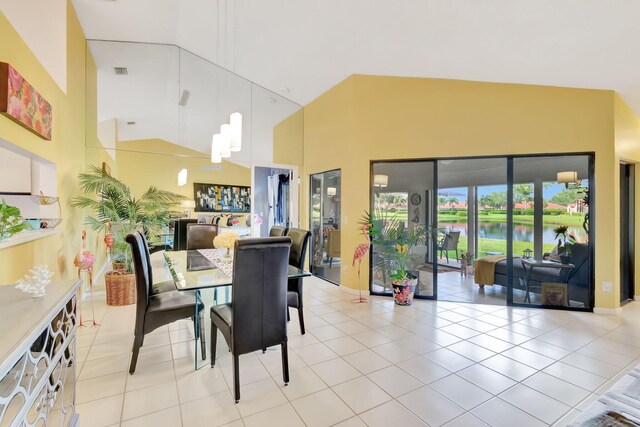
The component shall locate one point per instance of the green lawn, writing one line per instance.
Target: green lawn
(401, 215)
(499, 245)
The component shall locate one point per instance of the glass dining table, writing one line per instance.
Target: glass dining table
(192, 271)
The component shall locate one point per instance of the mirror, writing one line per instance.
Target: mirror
(158, 107)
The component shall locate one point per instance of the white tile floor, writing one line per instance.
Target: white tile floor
(376, 364)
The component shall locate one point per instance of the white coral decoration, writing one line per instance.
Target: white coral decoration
(35, 284)
(226, 240)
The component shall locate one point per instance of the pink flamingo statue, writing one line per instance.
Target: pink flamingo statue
(84, 261)
(361, 250)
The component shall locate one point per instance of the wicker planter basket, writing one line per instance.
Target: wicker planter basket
(121, 288)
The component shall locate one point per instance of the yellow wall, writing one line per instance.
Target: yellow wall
(148, 162)
(367, 118)
(627, 143)
(66, 149)
(288, 137)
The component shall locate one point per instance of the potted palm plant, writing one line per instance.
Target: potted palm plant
(393, 243)
(117, 213)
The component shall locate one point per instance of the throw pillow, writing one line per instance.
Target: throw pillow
(554, 256)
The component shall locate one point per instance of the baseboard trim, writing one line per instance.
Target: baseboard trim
(608, 311)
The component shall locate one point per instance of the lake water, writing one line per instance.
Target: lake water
(521, 232)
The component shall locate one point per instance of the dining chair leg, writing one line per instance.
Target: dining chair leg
(288, 315)
(301, 320)
(137, 343)
(214, 342)
(285, 363)
(202, 335)
(236, 376)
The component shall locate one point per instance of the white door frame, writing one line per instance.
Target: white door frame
(294, 189)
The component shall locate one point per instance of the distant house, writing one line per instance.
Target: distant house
(454, 205)
(555, 206)
(578, 207)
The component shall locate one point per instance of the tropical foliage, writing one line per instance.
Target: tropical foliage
(10, 220)
(113, 204)
(393, 243)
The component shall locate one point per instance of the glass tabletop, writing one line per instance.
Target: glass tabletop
(192, 270)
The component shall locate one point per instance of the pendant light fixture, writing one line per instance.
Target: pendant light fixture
(225, 144)
(235, 120)
(215, 148)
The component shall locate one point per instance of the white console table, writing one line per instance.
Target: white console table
(37, 356)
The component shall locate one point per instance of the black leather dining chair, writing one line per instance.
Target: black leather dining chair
(156, 288)
(299, 242)
(277, 231)
(200, 236)
(257, 316)
(180, 233)
(156, 310)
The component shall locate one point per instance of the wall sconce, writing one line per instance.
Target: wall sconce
(188, 205)
(182, 177)
(331, 191)
(380, 181)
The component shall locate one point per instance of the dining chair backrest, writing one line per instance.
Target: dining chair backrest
(180, 233)
(259, 293)
(299, 242)
(200, 236)
(145, 248)
(277, 231)
(143, 282)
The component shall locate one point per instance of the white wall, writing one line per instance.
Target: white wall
(42, 24)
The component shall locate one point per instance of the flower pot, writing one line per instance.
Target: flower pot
(565, 259)
(403, 290)
(120, 287)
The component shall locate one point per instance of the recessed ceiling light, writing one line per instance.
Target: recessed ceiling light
(131, 123)
(121, 71)
(272, 100)
(284, 89)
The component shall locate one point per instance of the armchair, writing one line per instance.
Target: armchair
(449, 242)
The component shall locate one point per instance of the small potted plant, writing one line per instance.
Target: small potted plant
(565, 242)
(393, 243)
(10, 220)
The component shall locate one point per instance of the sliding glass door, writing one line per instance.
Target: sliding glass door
(501, 230)
(324, 218)
(552, 248)
(472, 217)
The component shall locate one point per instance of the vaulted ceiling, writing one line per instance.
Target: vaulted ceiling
(301, 48)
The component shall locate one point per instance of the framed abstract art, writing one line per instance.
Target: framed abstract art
(22, 103)
(222, 198)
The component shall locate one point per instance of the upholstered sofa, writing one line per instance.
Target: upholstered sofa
(578, 278)
(238, 223)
